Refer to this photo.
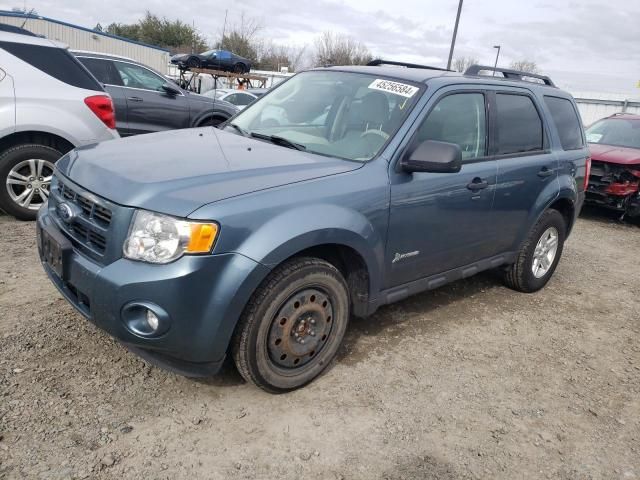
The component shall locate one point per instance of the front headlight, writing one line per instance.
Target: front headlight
(157, 238)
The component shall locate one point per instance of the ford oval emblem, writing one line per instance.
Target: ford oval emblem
(65, 212)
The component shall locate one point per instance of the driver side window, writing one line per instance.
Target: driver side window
(459, 118)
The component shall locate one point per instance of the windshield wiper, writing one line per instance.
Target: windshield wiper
(239, 129)
(275, 139)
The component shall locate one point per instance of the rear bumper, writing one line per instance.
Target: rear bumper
(202, 296)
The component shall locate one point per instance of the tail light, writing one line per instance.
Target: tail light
(102, 107)
(587, 173)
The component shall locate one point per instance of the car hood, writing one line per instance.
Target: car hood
(179, 56)
(613, 154)
(178, 171)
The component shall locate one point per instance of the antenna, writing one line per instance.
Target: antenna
(28, 14)
(215, 79)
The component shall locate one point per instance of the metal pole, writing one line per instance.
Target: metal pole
(455, 34)
(497, 55)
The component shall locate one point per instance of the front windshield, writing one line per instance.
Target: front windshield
(619, 132)
(208, 53)
(340, 114)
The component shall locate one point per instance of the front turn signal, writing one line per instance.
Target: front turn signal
(202, 237)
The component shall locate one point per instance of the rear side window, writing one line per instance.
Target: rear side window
(519, 124)
(103, 70)
(56, 62)
(566, 121)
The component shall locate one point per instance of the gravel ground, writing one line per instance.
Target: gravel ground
(470, 381)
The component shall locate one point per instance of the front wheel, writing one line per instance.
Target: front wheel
(293, 325)
(193, 62)
(539, 255)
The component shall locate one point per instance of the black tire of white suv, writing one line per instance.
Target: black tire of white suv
(25, 176)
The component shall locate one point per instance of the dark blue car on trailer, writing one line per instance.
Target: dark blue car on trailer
(341, 190)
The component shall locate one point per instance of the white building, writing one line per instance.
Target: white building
(81, 38)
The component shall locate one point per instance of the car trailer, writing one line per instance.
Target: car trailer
(232, 80)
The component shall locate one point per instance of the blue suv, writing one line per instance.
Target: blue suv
(342, 190)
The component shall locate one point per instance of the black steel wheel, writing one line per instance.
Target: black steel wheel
(239, 68)
(193, 62)
(293, 326)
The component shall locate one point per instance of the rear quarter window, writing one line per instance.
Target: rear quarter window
(567, 122)
(56, 62)
(103, 70)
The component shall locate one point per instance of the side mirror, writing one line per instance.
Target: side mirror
(433, 156)
(171, 89)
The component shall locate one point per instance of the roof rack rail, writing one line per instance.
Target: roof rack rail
(509, 74)
(379, 61)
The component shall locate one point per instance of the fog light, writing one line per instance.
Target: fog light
(152, 320)
(145, 319)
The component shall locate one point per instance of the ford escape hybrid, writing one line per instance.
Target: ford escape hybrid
(343, 189)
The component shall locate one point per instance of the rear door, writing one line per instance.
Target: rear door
(105, 72)
(441, 221)
(526, 164)
(149, 107)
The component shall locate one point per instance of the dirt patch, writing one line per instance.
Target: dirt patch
(470, 381)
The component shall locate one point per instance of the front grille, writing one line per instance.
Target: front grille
(89, 230)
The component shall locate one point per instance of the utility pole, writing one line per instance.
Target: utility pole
(497, 55)
(455, 34)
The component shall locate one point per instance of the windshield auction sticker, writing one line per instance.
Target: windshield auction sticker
(401, 89)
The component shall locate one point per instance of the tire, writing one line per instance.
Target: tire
(211, 122)
(193, 62)
(26, 168)
(293, 325)
(520, 275)
(239, 68)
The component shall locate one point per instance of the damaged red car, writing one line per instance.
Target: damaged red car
(615, 164)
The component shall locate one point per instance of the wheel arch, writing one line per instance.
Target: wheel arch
(567, 208)
(202, 122)
(37, 137)
(351, 264)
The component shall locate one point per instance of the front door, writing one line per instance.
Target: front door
(441, 221)
(149, 107)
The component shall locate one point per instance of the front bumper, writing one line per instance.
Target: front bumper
(203, 296)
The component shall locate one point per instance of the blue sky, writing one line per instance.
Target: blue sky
(584, 46)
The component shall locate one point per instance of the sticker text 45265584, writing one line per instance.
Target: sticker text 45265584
(398, 88)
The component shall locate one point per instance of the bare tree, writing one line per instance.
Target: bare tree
(273, 56)
(241, 38)
(337, 49)
(462, 63)
(524, 66)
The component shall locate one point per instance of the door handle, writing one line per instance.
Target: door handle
(134, 99)
(477, 184)
(545, 172)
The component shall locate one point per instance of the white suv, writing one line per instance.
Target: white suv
(49, 104)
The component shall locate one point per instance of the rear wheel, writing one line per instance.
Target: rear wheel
(293, 325)
(539, 255)
(239, 68)
(25, 176)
